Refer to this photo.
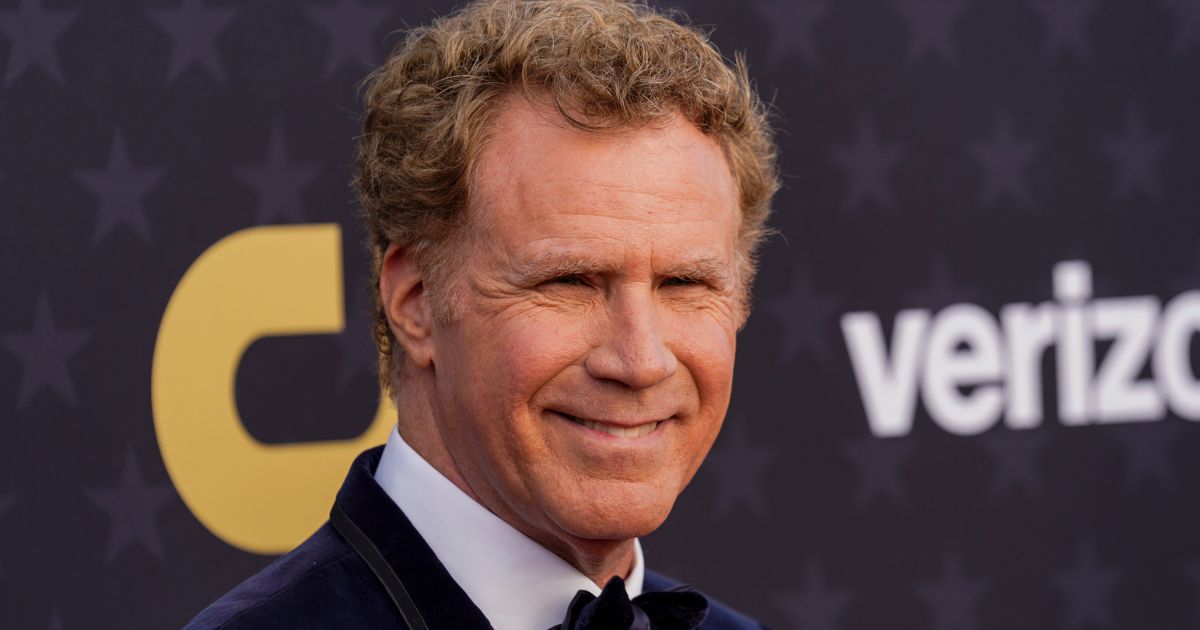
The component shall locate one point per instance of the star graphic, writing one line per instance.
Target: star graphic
(879, 462)
(804, 315)
(44, 353)
(814, 605)
(738, 467)
(131, 505)
(350, 25)
(954, 597)
(940, 290)
(1136, 157)
(1087, 587)
(931, 27)
(1146, 448)
(792, 24)
(120, 189)
(193, 28)
(279, 181)
(866, 163)
(32, 33)
(1065, 23)
(1015, 455)
(1185, 17)
(1004, 158)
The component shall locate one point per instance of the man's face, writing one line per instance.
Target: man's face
(589, 366)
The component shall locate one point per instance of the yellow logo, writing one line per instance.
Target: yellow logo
(258, 282)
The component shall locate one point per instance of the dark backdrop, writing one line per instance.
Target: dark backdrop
(934, 152)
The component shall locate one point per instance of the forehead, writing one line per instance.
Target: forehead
(555, 181)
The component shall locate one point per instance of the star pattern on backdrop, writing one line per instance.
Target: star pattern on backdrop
(737, 468)
(814, 604)
(1185, 20)
(33, 32)
(1087, 588)
(953, 598)
(1014, 456)
(350, 26)
(804, 314)
(866, 162)
(880, 463)
(279, 181)
(908, 92)
(1064, 24)
(1147, 448)
(931, 27)
(120, 189)
(792, 24)
(1004, 159)
(45, 352)
(193, 28)
(132, 506)
(940, 290)
(1136, 154)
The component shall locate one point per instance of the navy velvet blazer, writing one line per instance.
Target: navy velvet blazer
(323, 583)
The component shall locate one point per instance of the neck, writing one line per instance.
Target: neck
(597, 559)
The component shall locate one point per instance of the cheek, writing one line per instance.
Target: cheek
(544, 343)
(519, 358)
(514, 359)
(708, 347)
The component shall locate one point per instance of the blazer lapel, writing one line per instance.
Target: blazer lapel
(440, 600)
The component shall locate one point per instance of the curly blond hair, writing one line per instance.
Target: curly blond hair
(605, 65)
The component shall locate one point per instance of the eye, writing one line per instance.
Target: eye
(569, 280)
(677, 281)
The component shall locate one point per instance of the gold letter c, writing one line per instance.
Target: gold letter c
(263, 281)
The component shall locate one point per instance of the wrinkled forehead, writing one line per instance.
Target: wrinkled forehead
(537, 165)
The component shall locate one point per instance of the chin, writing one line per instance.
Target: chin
(613, 515)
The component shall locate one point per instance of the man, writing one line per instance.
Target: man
(563, 200)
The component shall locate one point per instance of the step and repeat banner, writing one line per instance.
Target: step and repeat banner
(968, 397)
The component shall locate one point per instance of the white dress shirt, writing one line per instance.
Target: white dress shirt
(515, 582)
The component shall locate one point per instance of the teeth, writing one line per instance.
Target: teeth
(623, 432)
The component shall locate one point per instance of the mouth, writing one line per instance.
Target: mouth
(635, 431)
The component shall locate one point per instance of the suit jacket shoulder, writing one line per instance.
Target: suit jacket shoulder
(322, 583)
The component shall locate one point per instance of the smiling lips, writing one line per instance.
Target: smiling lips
(615, 430)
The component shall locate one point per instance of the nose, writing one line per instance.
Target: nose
(632, 347)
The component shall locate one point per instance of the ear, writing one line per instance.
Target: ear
(402, 294)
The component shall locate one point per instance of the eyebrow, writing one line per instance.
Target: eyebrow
(706, 269)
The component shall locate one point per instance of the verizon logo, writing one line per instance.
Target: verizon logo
(972, 368)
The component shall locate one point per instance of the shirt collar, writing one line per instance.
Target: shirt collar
(516, 582)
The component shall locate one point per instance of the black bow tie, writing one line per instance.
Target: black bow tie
(679, 608)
